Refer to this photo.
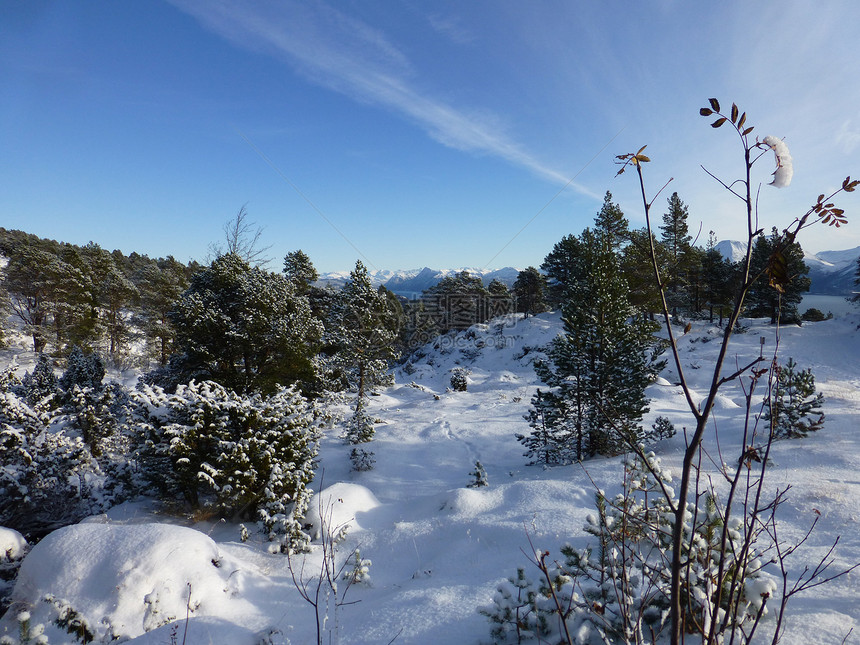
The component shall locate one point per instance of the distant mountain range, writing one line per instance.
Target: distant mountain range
(411, 283)
(832, 272)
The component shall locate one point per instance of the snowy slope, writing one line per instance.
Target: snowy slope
(439, 548)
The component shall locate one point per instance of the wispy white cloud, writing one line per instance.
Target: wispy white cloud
(348, 56)
(848, 137)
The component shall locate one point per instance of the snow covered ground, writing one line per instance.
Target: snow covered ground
(439, 548)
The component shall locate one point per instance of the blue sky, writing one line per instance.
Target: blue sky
(410, 134)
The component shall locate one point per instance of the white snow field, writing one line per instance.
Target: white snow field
(439, 548)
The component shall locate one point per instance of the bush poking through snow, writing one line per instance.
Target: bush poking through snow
(362, 460)
(459, 379)
(243, 456)
(616, 590)
(479, 476)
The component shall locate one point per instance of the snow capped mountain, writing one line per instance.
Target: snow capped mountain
(732, 250)
(411, 283)
(831, 272)
(834, 261)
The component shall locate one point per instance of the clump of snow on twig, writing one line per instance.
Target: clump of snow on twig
(784, 169)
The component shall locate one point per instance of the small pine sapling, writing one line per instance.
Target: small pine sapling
(479, 476)
(28, 634)
(794, 408)
(362, 460)
(360, 571)
(662, 428)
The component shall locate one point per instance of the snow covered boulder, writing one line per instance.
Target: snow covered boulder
(337, 506)
(125, 580)
(13, 546)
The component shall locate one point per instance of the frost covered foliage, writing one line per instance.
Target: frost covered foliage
(40, 387)
(359, 427)
(42, 471)
(241, 456)
(479, 476)
(616, 589)
(83, 370)
(794, 409)
(459, 379)
(27, 632)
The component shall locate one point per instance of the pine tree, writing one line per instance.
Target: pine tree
(781, 279)
(636, 269)
(717, 280)
(599, 368)
(677, 242)
(555, 438)
(245, 328)
(529, 292)
(794, 409)
(364, 329)
(456, 302)
(300, 271)
(563, 267)
(611, 224)
(112, 295)
(500, 298)
(160, 284)
(29, 281)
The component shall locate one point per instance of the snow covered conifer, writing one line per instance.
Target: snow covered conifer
(459, 379)
(244, 456)
(41, 385)
(479, 476)
(529, 292)
(245, 328)
(83, 370)
(364, 330)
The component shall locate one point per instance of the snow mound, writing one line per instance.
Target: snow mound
(338, 506)
(12, 544)
(724, 403)
(127, 580)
